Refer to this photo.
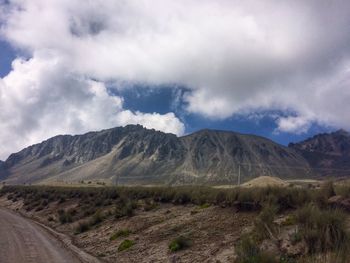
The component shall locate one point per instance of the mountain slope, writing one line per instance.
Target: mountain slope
(212, 154)
(135, 155)
(327, 153)
(2, 169)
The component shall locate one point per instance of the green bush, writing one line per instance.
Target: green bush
(179, 243)
(204, 206)
(126, 244)
(120, 233)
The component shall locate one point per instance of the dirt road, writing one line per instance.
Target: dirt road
(22, 241)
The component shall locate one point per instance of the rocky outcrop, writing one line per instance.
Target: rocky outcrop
(135, 155)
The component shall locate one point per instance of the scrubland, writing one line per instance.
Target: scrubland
(195, 223)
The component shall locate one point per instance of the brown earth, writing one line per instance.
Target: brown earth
(212, 230)
(23, 241)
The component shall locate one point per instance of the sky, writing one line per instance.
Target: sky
(279, 69)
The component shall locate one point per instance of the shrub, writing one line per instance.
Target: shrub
(120, 233)
(126, 244)
(182, 197)
(150, 205)
(179, 243)
(322, 230)
(264, 226)
(64, 217)
(96, 218)
(83, 226)
(198, 195)
(125, 208)
(249, 252)
(204, 206)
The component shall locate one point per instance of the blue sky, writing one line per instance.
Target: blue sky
(7, 56)
(279, 69)
(161, 100)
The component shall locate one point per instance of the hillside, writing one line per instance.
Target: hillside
(327, 153)
(135, 155)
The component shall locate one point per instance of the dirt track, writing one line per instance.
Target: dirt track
(22, 241)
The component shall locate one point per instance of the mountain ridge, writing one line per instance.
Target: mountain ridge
(133, 154)
(136, 155)
(329, 153)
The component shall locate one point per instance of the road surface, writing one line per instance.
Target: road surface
(23, 241)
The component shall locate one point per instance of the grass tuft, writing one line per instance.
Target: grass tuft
(126, 244)
(120, 233)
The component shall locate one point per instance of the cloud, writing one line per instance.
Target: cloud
(292, 124)
(39, 98)
(233, 56)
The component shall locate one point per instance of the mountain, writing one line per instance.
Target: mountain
(135, 155)
(3, 171)
(327, 153)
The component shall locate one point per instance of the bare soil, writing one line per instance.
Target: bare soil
(213, 231)
(22, 241)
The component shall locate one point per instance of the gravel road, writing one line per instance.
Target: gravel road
(23, 241)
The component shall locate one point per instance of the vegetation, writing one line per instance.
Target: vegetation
(65, 216)
(82, 226)
(125, 208)
(321, 227)
(248, 251)
(125, 197)
(120, 233)
(323, 230)
(179, 243)
(264, 226)
(126, 244)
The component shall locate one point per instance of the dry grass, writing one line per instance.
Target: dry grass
(322, 228)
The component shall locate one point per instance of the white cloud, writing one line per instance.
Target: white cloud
(293, 124)
(166, 123)
(39, 98)
(234, 56)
